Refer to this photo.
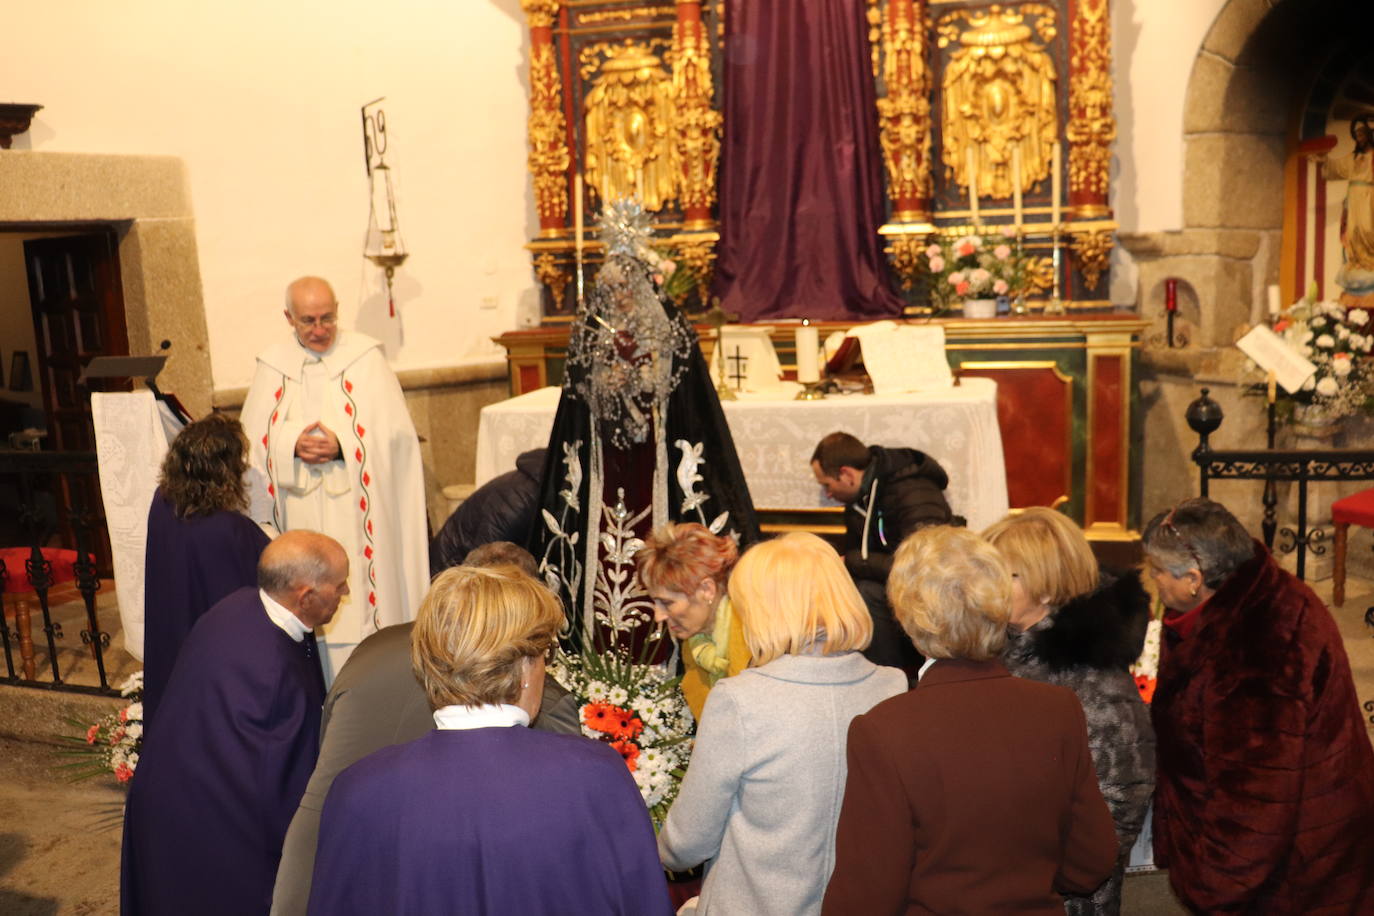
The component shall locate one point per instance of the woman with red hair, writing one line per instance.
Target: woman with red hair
(685, 569)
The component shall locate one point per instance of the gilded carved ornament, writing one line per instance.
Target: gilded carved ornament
(904, 109)
(906, 255)
(540, 13)
(549, 158)
(1092, 126)
(999, 93)
(700, 258)
(626, 14)
(629, 145)
(548, 272)
(697, 123)
(1091, 251)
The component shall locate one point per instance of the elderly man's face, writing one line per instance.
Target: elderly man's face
(319, 605)
(314, 315)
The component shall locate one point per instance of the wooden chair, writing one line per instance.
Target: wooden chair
(1352, 510)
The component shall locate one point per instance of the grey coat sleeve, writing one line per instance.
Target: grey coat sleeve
(695, 826)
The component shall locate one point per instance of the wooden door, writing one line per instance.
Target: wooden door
(78, 313)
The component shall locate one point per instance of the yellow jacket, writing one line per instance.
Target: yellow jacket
(696, 683)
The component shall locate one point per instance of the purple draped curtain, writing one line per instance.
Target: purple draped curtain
(801, 190)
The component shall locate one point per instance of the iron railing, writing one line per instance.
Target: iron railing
(47, 499)
(1301, 466)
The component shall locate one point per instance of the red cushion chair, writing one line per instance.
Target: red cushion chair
(1352, 510)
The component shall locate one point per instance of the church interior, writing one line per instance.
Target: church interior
(1167, 174)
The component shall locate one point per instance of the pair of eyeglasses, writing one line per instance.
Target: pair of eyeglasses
(324, 321)
(1168, 525)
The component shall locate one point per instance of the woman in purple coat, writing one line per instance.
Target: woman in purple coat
(484, 815)
(200, 545)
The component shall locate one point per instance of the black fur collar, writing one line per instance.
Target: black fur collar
(1102, 629)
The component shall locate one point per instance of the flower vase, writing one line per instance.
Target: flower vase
(1312, 422)
(980, 308)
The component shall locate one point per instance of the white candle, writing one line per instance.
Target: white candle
(1055, 163)
(1016, 186)
(971, 164)
(577, 214)
(1274, 308)
(808, 350)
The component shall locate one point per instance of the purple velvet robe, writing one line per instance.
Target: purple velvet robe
(220, 778)
(191, 563)
(488, 821)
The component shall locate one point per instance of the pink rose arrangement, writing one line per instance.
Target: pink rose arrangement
(975, 266)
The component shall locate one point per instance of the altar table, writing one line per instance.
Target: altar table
(775, 438)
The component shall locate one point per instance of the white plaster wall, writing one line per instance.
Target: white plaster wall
(1154, 45)
(261, 99)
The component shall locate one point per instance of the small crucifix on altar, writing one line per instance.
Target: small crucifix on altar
(718, 318)
(737, 373)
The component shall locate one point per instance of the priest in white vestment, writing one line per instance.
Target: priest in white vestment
(334, 450)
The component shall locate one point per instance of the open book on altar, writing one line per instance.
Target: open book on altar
(902, 357)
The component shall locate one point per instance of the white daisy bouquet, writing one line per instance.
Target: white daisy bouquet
(1338, 341)
(638, 710)
(113, 743)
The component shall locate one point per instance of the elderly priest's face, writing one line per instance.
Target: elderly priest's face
(314, 314)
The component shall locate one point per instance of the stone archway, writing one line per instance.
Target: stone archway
(1250, 79)
(147, 200)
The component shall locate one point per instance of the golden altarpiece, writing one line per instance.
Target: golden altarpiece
(625, 94)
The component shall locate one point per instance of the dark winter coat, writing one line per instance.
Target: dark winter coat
(502, 509)
(1088, 645)
(902, 490)
(1265, 801)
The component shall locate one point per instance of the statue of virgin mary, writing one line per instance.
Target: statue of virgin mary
(639, 440)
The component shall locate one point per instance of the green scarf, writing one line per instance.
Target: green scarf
(712, 652)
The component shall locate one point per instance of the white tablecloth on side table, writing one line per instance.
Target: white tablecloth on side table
(775, 439)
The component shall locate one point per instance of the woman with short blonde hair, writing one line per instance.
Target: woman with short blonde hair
(761, 796)
(426, 826)
(1047, 552)
(1081, 629)
(792, 598)
(478, 632)
(951, 593)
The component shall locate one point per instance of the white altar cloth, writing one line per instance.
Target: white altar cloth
(775, 439)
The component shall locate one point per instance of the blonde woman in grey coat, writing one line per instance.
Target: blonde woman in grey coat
(762, 795)
(1076, 627)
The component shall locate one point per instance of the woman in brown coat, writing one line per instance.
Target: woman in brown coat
(975, 791)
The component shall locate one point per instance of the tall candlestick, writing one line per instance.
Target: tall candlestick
(1016, 186)
(808, 348)
(577, 233)
(577, 213)
(971, 164)
(1055, 162)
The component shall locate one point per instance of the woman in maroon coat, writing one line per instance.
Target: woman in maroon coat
(974, 792)
(1264, 801)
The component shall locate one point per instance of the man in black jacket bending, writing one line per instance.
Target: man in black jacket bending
(887, 494)
(502, 509)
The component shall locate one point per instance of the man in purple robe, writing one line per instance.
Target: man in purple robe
(237, 736)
